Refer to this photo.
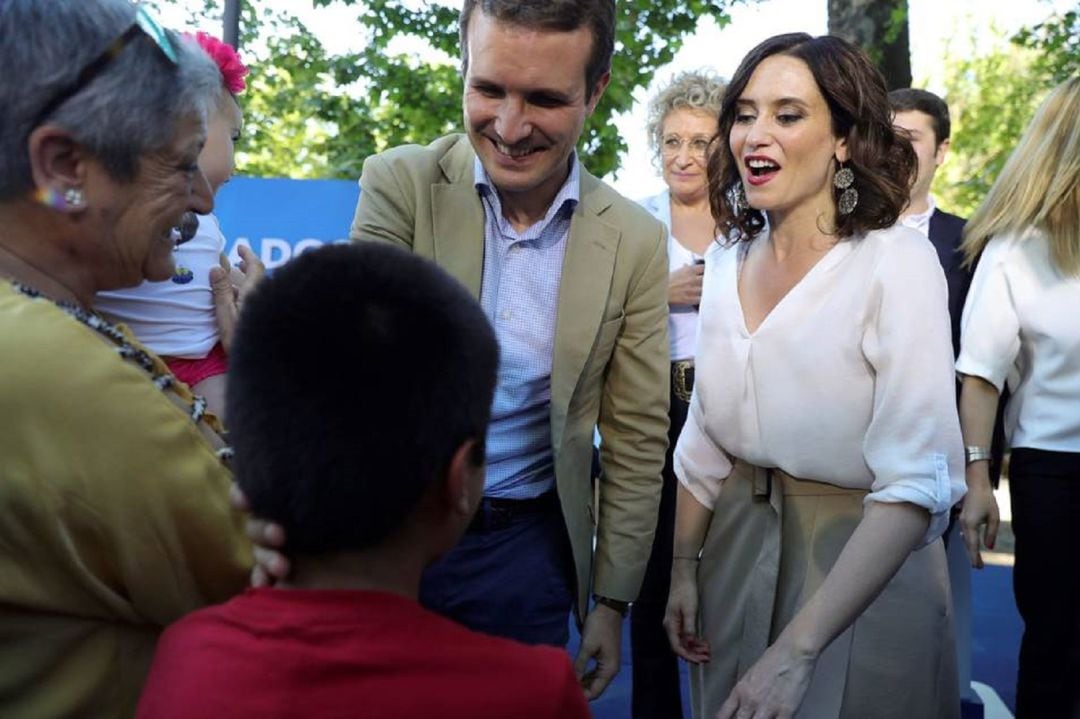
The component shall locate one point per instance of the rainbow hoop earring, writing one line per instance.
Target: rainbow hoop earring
(71, 199)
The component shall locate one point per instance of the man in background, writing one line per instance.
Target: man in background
(924, 118)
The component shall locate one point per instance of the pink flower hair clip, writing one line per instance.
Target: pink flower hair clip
(228, 61)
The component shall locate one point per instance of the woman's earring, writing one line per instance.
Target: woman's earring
(737, 197)
(73, 196)
(844, 180)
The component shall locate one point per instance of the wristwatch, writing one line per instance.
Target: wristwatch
(973, 453)
(623, 608)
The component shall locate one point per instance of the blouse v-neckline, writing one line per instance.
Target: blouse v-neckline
(831, 257)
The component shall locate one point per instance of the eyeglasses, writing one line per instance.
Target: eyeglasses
(672, 144)
(144, 25)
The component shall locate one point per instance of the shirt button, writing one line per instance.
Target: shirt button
(504, 315)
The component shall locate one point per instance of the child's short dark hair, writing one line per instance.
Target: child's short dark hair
(356, 373)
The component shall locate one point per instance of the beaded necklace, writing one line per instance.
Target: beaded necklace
(158, 372)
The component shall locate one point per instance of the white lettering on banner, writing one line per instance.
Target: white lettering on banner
(274, 251)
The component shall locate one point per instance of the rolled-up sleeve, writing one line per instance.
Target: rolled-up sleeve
(913, 445)
(700, 465)
(990, 327)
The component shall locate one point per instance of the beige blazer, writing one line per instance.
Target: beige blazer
(610, 368)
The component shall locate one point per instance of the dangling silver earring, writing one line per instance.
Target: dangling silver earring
(737, 197)
(73, 196)
(844, 180)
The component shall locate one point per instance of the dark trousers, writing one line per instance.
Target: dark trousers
(511, 575)
(1044, 488)
(656, 693)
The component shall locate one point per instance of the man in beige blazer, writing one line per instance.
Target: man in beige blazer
(514, 179)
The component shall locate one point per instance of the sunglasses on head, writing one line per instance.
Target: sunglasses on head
(144, 26)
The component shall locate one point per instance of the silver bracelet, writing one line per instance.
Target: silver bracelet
(973, 453)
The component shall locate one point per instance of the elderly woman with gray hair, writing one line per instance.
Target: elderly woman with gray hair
(116, 519)
(682, 122)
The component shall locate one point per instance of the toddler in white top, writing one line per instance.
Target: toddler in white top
(176, 318)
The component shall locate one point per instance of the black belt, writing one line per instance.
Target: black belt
(497, 513)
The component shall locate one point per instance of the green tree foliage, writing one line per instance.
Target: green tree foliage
(1057, 44)
(880, 27)
(992, 97)
(312, 114)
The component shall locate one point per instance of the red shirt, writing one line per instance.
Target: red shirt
(291, 653)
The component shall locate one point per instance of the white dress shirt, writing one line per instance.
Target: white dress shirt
(848, 380)
(921, 222)
(1021, 326)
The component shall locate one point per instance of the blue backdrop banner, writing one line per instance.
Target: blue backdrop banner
(280, 218)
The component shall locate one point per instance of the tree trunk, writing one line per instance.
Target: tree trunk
(880, 27)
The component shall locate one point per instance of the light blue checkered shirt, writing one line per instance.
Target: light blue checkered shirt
(520, 295)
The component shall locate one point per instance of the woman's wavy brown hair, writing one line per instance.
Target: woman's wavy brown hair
(858, 101)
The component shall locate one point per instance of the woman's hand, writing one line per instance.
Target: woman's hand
(684, 285)
(230, 286)
(773, 687)
(680, 619)
(979, 509)
(978, 405)
(267, 539)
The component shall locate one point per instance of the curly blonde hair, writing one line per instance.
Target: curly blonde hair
(697, 90)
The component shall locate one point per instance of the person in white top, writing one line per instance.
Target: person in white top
(823, 447)
(1021, 329)
(177, 318)
(682, 123)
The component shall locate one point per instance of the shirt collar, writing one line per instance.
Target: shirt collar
(570, 192)
(924, 217)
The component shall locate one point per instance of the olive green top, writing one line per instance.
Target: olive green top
(114, 516)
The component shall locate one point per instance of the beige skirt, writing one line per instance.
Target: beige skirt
(770, 544)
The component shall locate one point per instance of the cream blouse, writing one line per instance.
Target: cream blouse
(848, 380)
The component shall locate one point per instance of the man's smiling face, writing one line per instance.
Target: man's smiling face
(526, 103)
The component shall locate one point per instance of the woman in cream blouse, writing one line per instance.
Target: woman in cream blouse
(822, 452)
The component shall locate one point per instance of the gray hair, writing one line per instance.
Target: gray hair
(697, 90)
(130, 109)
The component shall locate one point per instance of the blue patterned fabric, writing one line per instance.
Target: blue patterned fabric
(520, 294)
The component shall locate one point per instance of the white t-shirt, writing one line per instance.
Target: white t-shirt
(849, 380)
(174, 318)
(682, 319)
(1021, 327)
